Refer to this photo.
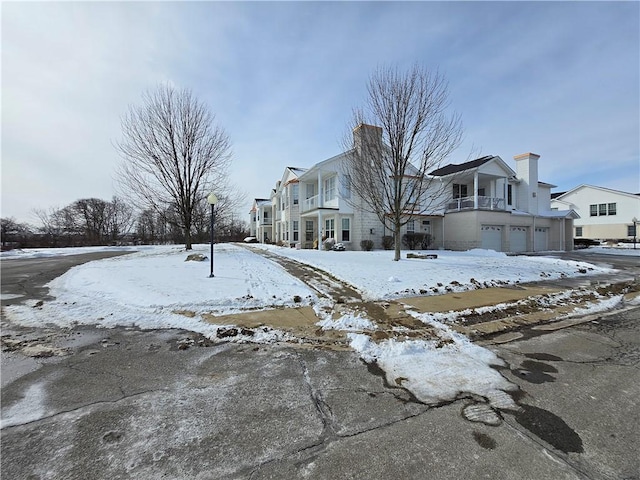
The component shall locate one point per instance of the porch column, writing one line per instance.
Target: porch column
(319, 229)
(320, 200)
(475, 190)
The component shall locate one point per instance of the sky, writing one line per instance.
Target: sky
(560, 79)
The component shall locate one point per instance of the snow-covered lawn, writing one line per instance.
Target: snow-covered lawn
(156, 288)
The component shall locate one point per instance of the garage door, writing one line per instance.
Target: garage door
(518, 239)
(492, 237)
(541, 239)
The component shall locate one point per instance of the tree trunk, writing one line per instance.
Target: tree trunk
(396, 234)
(187, 239)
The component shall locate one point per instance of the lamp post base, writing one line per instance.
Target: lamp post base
(211, 276)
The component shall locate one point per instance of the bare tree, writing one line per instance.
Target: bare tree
(402, 133)
(172, 153)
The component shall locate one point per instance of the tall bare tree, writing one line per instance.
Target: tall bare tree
(403, 132)
(173, 154)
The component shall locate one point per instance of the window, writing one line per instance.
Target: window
(345, 182)
(509, 194)
(308, 231)
(578, 231)
(481, 192)
(411, 226)
(296, 226)
(593, 210)
(602, 209)
(296, 193)
(631, 230)
(346, 231)
(330, 188)
(311, 190)
(611, 209)
(329, 228)
(459, 191)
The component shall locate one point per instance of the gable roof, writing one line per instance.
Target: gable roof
(461, 167)
(604, 189)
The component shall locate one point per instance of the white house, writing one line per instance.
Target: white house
(605, 214)
(261, 220)
(478, 204)
(491, 206)
(285, 203)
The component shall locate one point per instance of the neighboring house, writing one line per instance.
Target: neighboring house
(285, 203)
(605, 214)
(261, 221)
(485, 204)
(494, 207)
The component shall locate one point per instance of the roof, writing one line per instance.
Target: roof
(610, 190)
(557, 194)
(461, 167)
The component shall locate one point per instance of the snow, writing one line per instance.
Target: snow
(156, 288)
(377, 276)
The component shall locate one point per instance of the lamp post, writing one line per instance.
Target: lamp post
(635, 231)
(212, 199)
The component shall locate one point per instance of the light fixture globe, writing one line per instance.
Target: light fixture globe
(212, 199)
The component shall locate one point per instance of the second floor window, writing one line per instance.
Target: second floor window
(611, 209)
(295, 191)
(593, 210)
(330, 188)
(459, 190)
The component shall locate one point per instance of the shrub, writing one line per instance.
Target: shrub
(387, 242)
(366, 245)
(412, 240)
(426, 241)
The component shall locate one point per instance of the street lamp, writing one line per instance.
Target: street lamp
(635, 231)
(212, 199)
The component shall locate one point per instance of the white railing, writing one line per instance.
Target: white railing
(310, 203)
(314, 202)
(468, 203)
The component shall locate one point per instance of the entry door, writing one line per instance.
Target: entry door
(492, 237)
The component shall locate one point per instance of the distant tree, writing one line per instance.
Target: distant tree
(14, 233)
(405, 133)
(173, 154)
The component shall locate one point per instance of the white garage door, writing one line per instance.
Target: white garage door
(541, 239)
(518, 239)
(492, 237)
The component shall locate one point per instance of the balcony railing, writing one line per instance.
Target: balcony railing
(468, 203)
(265, 221)
(314, 202)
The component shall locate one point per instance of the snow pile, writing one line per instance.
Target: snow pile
(347, 323)
(438, 371)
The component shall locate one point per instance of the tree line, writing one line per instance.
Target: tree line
(96, 222)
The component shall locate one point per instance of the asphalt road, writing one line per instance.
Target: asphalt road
(125, 403)
(24, 279)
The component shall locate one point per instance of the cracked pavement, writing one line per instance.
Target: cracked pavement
(123, 403)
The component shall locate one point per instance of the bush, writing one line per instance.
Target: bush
(412, 240)
(366, 245)
(387, 242)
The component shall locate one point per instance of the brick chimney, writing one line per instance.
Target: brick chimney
(367, 139)
(527, 173)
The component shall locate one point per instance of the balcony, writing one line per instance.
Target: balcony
(265, 221)
(313, 203)
(484, 203)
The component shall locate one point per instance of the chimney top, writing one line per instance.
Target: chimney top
(526, 155)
